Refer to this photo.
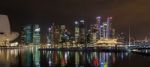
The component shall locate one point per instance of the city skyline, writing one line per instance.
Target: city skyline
(124, 13)
(74, 33)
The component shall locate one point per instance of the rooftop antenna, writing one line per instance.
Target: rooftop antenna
(129, 36)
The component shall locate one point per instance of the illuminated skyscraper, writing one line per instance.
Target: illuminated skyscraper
(97, 30)
(27, 34)
(104, 28)
(108, 27)
(82, 31)
(56, 35)
(62, 36)
(94, 33)
(77, 31)
(36, 34)
(50, 35)
(105, 32)
(98, 19)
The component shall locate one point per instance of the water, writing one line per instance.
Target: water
(34, 58)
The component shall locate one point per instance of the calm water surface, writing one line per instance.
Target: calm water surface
(35, 58)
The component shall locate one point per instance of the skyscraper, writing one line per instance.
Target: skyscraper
(77, 31)
(98, 22)
(27, 34)
(49, 36)
(107, 33)
(108, 27)
(62, 33)
(104, 28)
(82, 31)
(36, 34)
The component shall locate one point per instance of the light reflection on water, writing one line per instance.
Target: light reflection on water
(35, 58)
(81, 59)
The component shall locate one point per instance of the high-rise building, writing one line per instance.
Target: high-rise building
(82, 31)
(104, 28)
(98, 22)
(36, 34)
(62, 32)
(77, 31)
(94, 33)
(108, 27)
(49, 35)
(56, 35)
(106, 33)
(27, 34)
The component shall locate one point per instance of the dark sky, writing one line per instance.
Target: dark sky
(135, 13)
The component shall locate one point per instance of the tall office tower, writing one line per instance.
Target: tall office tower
(77, 31)
(105, 30)
(49, 35)
(67, 35)
(27, 34)
(82, 31)
(94, 33)
(98, 22)
(88, 36)
(113, 33)
(62, 32)
(101, 32)
(56, 35)
(36, 34)
(108, 27)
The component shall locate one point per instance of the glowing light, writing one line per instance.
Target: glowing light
(106, 64)
(48, 44)
(107, 41)
(110, 17)
(98, 17)
(37, 30)
(101, 26)
(81, 20)
(76, 22)
(14, 44)
(50, 62)
(49, 29)
(105, 24)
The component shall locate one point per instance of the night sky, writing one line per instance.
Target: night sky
(135, 13)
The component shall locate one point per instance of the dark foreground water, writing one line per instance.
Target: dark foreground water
(35, 58)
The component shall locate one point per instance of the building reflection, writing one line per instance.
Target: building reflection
(78, 59)
(35, 58)
(7, 57)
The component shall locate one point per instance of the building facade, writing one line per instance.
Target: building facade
(27, 34)
(36, 34)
